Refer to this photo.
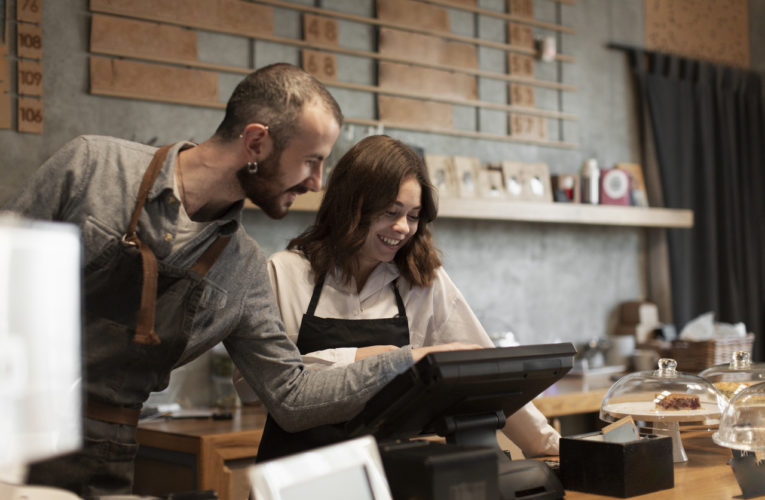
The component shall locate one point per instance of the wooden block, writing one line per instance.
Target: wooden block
(322, 65)
(29, 41)
(426, 80)
(30, 115)
(320, 29)
(400, 110)
(228, 16)
(123, 78)
(5, 72)
(419, 47)
(405, 44)
(414, 14)
(128, 37)
(527, 181)
(536, 178)
(491, 184)
(30, 77)
(521, 95)
(521, 8)
(528, 127)
(29, 10)
(512, 172)
(466, 169)
(520, 35)
(5, 109)
(442, 175)
(520, 65)
(463, 55)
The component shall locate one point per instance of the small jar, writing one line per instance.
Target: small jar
(590, 182)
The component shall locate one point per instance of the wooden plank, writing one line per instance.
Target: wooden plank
(132, 38)
(430, 81)
(122, 78)
(520, 65)
(29, 11)
(520, 35)
(417, 48)
(30, 115)
(522, 8)
(320, 29)
(30, 77)
(414, 28)
(570, 213)
(29, 41)
(415, 14)
(560, 213)
(402, 111)
(322, 65)
(527, 126)
(521, 95)
(5, 109)
(229, 16)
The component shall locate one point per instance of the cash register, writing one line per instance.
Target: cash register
(464, 397)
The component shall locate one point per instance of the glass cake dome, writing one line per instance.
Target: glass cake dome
(732, 378)
(664, 401)
(742, 425)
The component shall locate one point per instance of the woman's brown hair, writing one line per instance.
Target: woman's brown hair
(363, 184)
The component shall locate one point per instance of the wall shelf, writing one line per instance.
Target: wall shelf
(560, 213)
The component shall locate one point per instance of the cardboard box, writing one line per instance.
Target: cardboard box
(591, 465)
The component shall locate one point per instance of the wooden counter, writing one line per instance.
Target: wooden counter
(573, 395)
(199, 454)
(183, 455)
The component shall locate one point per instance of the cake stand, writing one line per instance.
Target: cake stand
(664, 422)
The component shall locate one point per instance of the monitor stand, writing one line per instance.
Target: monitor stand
(518, 479)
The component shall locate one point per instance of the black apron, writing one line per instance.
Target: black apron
(316, 334)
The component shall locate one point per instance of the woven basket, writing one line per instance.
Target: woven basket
(692, 357)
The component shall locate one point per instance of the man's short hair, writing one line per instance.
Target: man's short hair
(274, 95)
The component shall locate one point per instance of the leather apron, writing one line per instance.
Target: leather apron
(127, 357)
(316, 334)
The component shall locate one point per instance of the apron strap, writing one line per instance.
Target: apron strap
(207, 259)
(144, 331)
(315, 297)
(399, 300)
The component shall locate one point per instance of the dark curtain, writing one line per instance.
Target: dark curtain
(707, 128)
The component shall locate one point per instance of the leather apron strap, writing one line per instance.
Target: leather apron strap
(144, 331)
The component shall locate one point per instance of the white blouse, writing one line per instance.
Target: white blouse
(437, 314)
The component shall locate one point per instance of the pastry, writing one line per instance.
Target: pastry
(677, 401)
(730, 389)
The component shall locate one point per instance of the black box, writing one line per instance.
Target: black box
(616, 469)
(428, 470)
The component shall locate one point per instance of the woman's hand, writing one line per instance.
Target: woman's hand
(373, 350)
(421, 352)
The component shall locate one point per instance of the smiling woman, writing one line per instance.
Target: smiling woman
(366, 278)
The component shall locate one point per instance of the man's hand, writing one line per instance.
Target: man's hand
(373, 350)
(421, 352)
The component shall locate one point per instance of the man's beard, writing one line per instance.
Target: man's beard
(263, 188)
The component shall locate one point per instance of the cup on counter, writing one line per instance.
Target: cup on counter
(645, 359)
(621, 350)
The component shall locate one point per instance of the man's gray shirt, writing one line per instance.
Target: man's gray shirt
(93, 182)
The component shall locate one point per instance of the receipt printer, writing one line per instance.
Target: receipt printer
(428, 470)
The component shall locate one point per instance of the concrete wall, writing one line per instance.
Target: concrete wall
(544, 282)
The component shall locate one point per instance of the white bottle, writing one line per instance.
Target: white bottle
(590, 182)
